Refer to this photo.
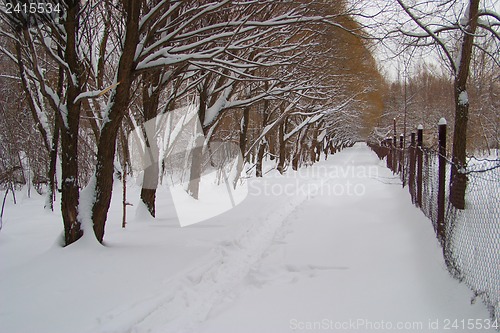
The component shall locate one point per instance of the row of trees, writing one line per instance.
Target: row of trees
(273, 76)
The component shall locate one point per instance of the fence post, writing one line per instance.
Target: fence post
(394, 155)
(389, 155)
(402, 159)
(394, 150)
(442, 183)
(411, 181)
(420, 139)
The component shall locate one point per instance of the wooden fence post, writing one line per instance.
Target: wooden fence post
(394, 155)
(420, 139)
(411, 178)
(389, 155)
(441, 231)
(394, 149)
(402, 159)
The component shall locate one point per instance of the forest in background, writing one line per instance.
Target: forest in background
(427, 96)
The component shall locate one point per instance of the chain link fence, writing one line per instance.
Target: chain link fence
(470, 237)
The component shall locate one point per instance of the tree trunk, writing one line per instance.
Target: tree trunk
(458, 177)
(70, 192)
(298, 152)
(119, 101)
(282, 148)
(264, 142)
(149, 186)
(199, 140)
(326, 147)
(313, 154)
(196, 165)
(51, 195)
(319, 149)
(260, 158)
(243, 144)
(124, 163)
(458, 182)
(52, 167)
(69, 134)
(150, 109)
(104, 176)
(244, 130)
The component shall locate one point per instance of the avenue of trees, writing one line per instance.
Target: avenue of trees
(285, 80)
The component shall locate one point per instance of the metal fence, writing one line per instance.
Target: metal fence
(470, 237)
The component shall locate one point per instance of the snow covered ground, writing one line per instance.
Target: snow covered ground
(334, 247)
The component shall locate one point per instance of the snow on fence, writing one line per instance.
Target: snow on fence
(470, 237)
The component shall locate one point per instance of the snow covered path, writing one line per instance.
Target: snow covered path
(352, 263)
(334, 247)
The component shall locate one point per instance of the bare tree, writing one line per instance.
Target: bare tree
(446, 25)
